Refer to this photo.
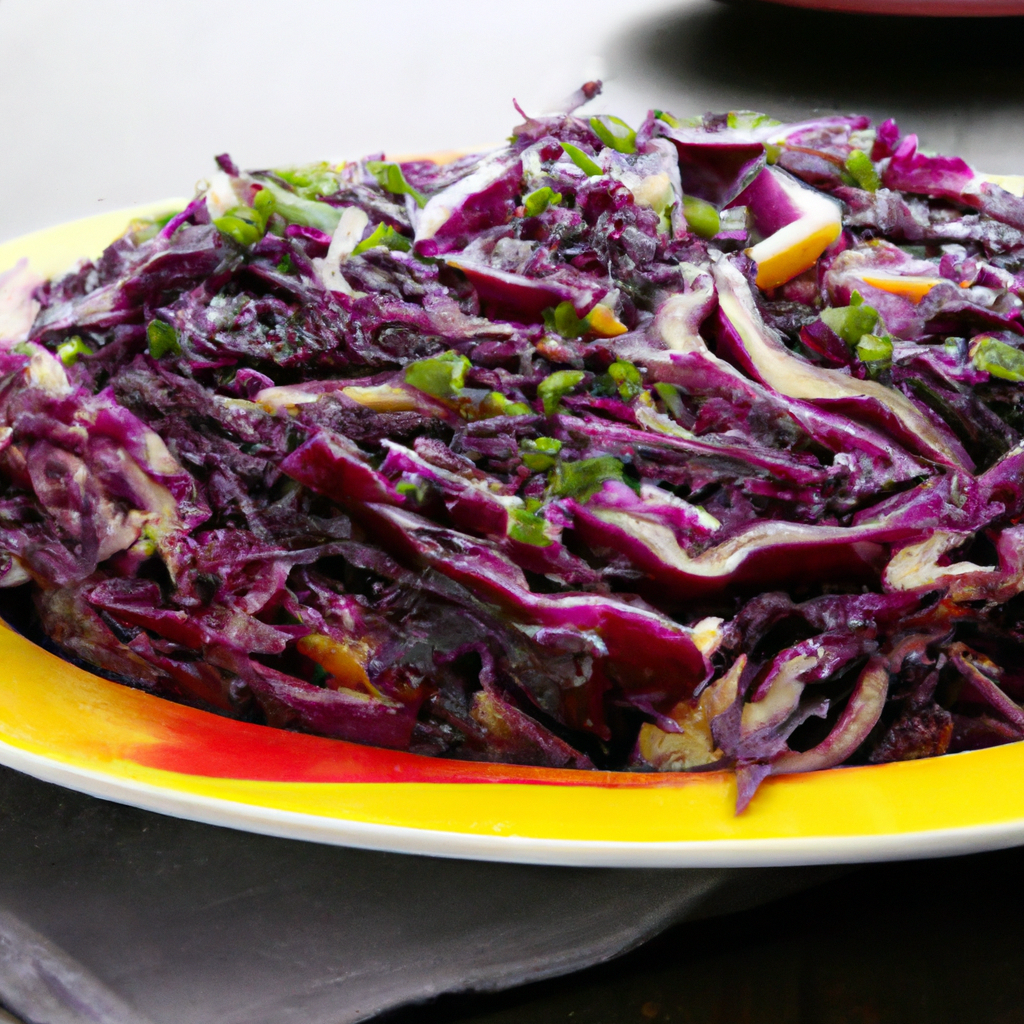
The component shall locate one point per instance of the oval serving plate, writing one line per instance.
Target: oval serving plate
(65, 725)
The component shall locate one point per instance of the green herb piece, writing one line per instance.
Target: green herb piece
(311, 181)
(415, 491)
(585, 478)
(390, 178)
(264, 203)
(538, 201)
(997, 358)
(285, 265)
(442, 376)
(298, 210)
(528, 528)
(247, 225)
(627, 379)
(852, 321)
(496, 404)
(553, 388)
(538, 462)
(69, 352)
(23, 348)
(664, 115)
(163, 339)
(563, 320)
(585, 163)
(862, 170)
(386, 236)
(614, 133)
(749, 119)
(242, 225)
(875, 349)
(669, 394)
(319, 676)
(701, 217)
(539, 455)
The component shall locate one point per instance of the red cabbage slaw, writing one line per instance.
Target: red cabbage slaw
(689, 446)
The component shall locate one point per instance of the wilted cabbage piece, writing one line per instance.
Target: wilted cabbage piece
(673, 446)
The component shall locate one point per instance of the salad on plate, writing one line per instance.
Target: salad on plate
(689, 445)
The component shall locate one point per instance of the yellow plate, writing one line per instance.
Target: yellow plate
(65, 725)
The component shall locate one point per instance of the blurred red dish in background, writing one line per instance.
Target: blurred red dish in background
(916, 8)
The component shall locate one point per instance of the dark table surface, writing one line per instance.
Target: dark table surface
(113, 915)
(920, 942)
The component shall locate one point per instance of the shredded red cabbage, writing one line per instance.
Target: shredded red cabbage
(689, 446)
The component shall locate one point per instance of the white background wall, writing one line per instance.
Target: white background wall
(107, 103)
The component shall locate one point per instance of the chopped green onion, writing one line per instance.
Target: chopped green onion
(997, 358)
(528, 528)
(538, 462)
(247, 225)
(264, 203)
(872, 348)
(297, 210)
(390, 178)
(538, 201)
(386, 236)
(862, 170)
(415, 491)
(564, 320)
(627, 379)
(553, 388)
(585, 163)
(242, 225)
(496, 404)
(669, 394)
(546, 444)
(664, 115)
(69, 352)
(311, 181)
(540, 454)
(585, 478)
(163, 339)
(614, 133)
(701, 217)
(749, 119)
(852, 321)
(442, 376)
